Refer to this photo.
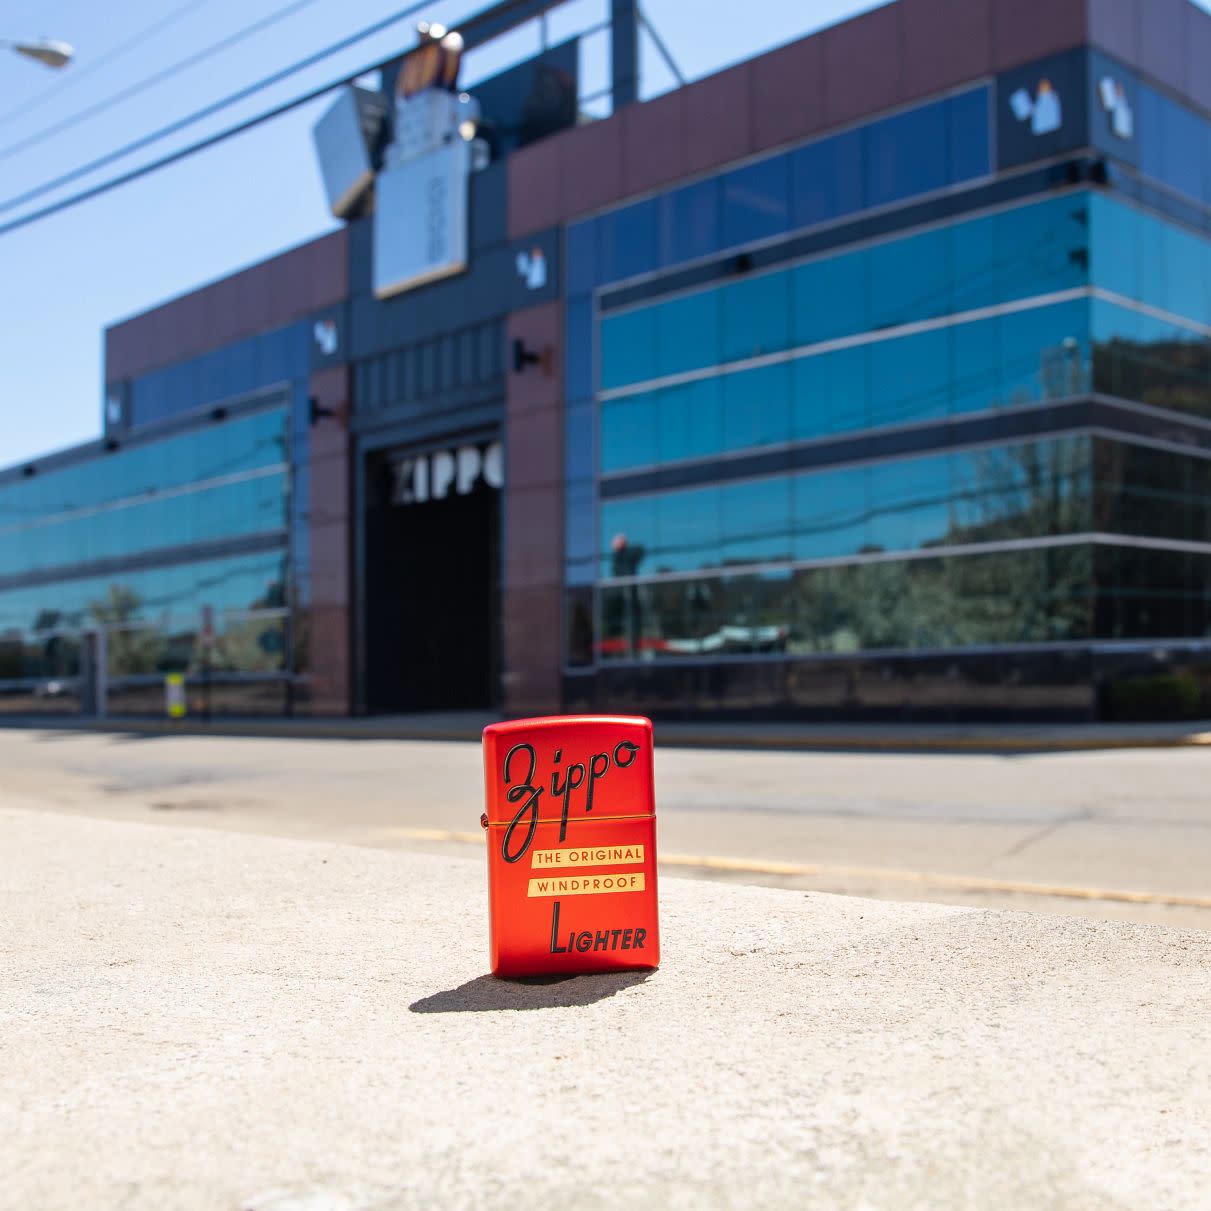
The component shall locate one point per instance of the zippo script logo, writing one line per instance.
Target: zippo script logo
(518, 773)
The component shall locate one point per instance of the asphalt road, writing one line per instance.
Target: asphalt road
(1122, 834)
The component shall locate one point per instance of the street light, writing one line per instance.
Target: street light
(48, 51)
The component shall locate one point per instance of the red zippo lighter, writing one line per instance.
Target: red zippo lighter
(571, 826)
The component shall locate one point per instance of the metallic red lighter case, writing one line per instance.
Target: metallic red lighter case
(571, 820)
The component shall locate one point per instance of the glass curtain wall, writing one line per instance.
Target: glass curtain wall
(278, 359)
(139, 541)
(937, 146)
(987, 546)
(1158, 353)
(1023, 306)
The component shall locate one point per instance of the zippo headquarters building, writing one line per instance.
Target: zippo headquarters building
(870, 377)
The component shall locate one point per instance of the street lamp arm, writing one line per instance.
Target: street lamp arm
(48, 51)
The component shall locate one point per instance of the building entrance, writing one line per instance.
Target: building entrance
(432, 579)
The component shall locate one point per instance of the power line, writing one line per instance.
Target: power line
(156, 77)
(197, 116)
(201, 145)
(81, 73)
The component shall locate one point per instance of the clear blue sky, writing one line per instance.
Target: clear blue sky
(64, 278)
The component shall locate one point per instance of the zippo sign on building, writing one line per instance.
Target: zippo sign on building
(420, 226)
(420, 214)
(420, 193)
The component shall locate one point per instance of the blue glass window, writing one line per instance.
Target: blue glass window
(1187, 287)
(1018, 253)
(910, 279)
(145, 497)
(689, 528)
(241, 368)
(831, 297)
(1150, 252)
(983, 494)
(756, 521)
(690, 420)
(273, 356)
(627, 241)
(628, 432)
(831, 392)
(1141, 256)
(829, 510)
(689, 332)
(975, 366)
(756, 201)
(756, 316)
(690, 222)
(245, 443)
(914, 152)
(909, 504)
(172, 596)
(757, 407)
(241, 374)
(910, 378)
(1173, 144)
(967, 117)
(826, 179)
(1042, 248)
(213, 377)
(1150, 132)
(628, 348)
(1113, 233)
(907, 154)
(146, 524)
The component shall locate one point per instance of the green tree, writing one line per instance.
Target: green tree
(133, 649)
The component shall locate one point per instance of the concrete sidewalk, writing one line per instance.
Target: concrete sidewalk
(749, 734)
(210, 1020)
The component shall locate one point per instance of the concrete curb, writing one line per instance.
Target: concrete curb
(891, 738)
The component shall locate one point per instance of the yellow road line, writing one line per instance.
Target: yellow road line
(886, 874)
(925, 878)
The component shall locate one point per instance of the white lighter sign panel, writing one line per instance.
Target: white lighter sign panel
(420, 219)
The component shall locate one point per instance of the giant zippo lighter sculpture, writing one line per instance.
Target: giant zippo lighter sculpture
(571, 822)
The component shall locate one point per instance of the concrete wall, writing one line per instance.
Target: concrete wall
(532, 571)
(330, 646)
